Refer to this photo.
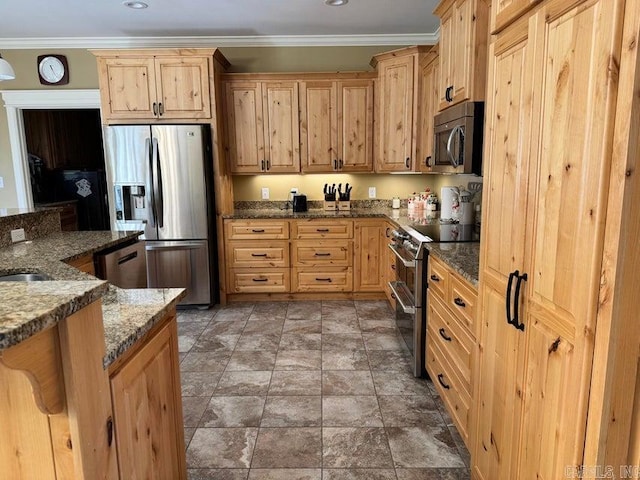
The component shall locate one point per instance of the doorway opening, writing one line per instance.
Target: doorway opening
(66, 165)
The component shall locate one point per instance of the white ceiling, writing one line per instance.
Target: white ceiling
(104, 23)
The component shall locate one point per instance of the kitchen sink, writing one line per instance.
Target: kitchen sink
(25, 277)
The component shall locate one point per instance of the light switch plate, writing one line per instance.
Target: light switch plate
(17, 235)
(265, 193)
(372, 192)
(1, 182)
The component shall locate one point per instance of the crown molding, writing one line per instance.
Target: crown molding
(65, 98)
(221, 41)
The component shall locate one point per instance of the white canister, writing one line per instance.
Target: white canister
(395, 202)
(450, 203)
(468, 214)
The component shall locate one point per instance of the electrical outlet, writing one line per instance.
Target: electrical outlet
(17, 235)
(294, 190)
(1, 182)
(265, 193)
(372, 192)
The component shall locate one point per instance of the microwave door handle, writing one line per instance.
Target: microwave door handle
(455, 162)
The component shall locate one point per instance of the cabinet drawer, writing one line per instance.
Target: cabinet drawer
(258, 254)
(325, 279)
(322, 229)
(438, 278)
(452, 338)
(462, 301)
(323, 252)
(455, 397)
(248, 280)
(257, 230)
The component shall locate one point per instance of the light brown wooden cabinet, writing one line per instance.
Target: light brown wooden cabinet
(263, 134)
(147, 409)
(553, 268)
(336, 125)
(370, 254)
(84, 263)
(155, 84)
(504, 12)
(451, 350)
(464, 28)
(398, 112)
(429, 79)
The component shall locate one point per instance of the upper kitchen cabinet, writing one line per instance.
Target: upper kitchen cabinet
(429, 79)
(397, 111)
(336, 125)
(147, 85)
(504, 12)
(263, 134)
(463, 50)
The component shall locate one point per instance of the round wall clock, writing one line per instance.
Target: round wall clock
(53, 69)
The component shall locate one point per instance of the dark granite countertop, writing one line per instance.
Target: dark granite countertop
(27, 308)
(462, 257)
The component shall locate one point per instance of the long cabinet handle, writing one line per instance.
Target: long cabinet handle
(155, 109)
(508, 295)
(516, 301)
(440, 379)
(161, 109)
(323, 279)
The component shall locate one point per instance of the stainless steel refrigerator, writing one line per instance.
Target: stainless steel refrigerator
(159, 181)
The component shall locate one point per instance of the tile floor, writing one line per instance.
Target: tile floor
(309, 391)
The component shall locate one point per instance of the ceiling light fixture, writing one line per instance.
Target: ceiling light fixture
(336, 3)
(6, 70)
(135, 5)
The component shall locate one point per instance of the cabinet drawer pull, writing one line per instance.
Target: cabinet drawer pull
(443, 334)
(458, 301)
(257, 230)
(258, 254)
(318, 254)
(323, 280)
(322, 229)
(393, 267)
(444, 385)
(260, 279)
(435, 278)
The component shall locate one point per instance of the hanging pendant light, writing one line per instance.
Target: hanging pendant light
(6, 71)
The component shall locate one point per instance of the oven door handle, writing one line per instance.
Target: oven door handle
(403, 296)
(407, 263)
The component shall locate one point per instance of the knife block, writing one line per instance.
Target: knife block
(344, 205)
(330, 205)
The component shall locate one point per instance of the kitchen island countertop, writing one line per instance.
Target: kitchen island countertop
(29, 307)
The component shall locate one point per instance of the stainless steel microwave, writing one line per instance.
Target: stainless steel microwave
(458, 139)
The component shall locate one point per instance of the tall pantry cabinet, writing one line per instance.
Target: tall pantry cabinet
(552, 104)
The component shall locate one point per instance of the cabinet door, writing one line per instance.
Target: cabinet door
(462, 49)
(429, 81)
(183, 87)
(245, 128)
(502, 347)
(570, 172)
(355, 125)
(396, 99)
(446, 49)
(281, 126)
(318, 126)
(128, 87)
(148, 410)
(369, 254)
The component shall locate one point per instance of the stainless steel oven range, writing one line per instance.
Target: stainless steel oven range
(410, 285)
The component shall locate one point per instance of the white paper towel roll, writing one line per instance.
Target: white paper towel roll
(468, 213)
(449, 201)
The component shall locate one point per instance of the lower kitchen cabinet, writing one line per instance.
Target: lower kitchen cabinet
(147, 409)
(451, 342)
(370, 252)
(84, 264)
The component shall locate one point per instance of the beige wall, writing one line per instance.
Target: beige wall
(83, 74)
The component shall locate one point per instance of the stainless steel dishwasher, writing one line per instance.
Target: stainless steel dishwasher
(123, 266)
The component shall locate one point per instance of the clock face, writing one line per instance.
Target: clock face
(51, 69)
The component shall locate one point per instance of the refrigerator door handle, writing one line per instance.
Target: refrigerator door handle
(160, 199)
(147, 152)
